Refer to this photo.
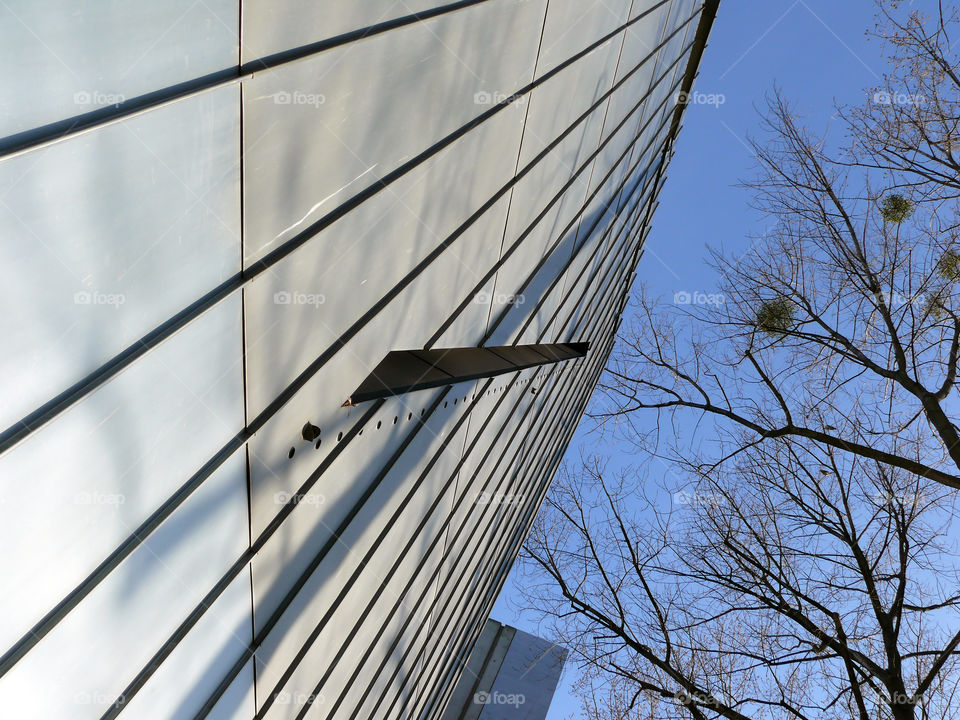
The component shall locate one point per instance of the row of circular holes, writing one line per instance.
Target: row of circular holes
(409, 415)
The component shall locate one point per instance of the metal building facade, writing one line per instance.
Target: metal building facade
(216, 217)
(509, 674)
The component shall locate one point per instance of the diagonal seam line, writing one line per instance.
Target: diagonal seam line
(141, 679)
(226, 681)
(309, 642)
(434, 543)
(262, 539)
(558, 309)
(433, 604)
(37, 632)
(493, 594)
(523, 448)
(26, 426)
(60, 130)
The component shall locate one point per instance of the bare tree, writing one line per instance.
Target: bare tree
(796, 582)
(811, 571)
(911, 123)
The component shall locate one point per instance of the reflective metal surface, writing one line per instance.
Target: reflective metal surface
(191, 276)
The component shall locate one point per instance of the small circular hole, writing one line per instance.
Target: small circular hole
(292, 451)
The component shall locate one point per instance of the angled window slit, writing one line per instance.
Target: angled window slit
(403, 371)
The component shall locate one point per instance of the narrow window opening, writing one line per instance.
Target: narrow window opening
(403, 371)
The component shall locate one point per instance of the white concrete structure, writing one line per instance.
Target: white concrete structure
(509, 674)
(216, 218)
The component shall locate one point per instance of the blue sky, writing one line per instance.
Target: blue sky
(817, 52)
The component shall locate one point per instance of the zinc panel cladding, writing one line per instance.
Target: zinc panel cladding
(217, 219)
